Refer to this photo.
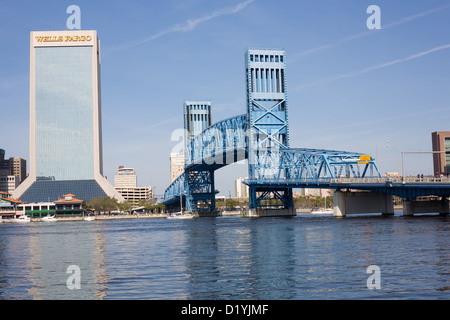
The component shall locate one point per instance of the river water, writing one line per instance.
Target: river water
(303, 257)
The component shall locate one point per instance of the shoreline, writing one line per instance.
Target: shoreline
(102, 217)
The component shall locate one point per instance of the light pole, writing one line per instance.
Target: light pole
(376, 154)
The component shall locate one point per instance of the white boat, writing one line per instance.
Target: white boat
(89, 218)
(49, 219)
(179, 216)
(322, 211)
(21, 219)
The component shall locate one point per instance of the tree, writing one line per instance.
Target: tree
(105, 204)
(125, 206)
(230, 203)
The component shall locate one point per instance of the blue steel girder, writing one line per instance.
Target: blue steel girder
(315, 165)
(177, 187)
(219, 145)
(194, 188)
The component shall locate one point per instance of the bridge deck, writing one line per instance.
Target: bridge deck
(408, 187)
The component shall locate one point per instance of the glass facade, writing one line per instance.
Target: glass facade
(43, 191)
(447, 155)
(64, 114)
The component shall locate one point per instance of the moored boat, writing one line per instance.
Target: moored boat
(49, 219)
(21, 219)
(179, 216)
(321, 211)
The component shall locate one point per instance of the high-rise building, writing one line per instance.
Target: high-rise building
(126, 185)
(125, 178)
(4, 166)
(441, 144)
(65, 118)
(18, 168)
(177, 162)
(12, 172)
(241, 190)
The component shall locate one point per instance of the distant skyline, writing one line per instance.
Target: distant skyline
(380, 92)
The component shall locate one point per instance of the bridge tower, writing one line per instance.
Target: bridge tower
(268, 123)
(198, 183)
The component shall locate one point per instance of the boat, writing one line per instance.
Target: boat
(49, 219)
(321, 211)
(21, 219)
(89, 218)
(179, 216)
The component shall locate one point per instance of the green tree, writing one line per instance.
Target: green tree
(230, 203)
(125, 206)
(105, 204)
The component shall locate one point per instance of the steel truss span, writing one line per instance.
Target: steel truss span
(274, 168)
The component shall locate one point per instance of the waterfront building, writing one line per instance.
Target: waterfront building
(18, 168)
(241, 190)
(177, 163)
(137, 194)
(65, 118)
(126, 185)
(441, 143)
(69, 205)
(9, 183)
(8, 205)
(37, 210)
(12, 172)
(125, 178)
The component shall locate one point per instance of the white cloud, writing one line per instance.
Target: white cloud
(367, 33)
(189, 25)
(372, 68)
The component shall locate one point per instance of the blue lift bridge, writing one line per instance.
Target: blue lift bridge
(261, 136)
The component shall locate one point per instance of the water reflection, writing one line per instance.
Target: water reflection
(35, 259)
(240, 259)
(227, 258)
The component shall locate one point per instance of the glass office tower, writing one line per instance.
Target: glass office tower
(65, 118)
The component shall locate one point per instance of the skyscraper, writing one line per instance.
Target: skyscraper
(177, 163)
(65, 118)
(441, 147)
(126, 184)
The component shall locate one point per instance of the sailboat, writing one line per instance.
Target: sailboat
(179, 215)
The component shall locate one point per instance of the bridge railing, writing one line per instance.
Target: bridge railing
(396, 180)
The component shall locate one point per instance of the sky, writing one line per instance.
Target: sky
(351, 88)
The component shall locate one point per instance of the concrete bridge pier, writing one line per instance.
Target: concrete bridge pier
(442, 206)
(347, 202)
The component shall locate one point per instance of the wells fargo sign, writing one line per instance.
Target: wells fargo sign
(63, 38)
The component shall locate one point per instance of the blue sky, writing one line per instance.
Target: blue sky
(349, 88)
